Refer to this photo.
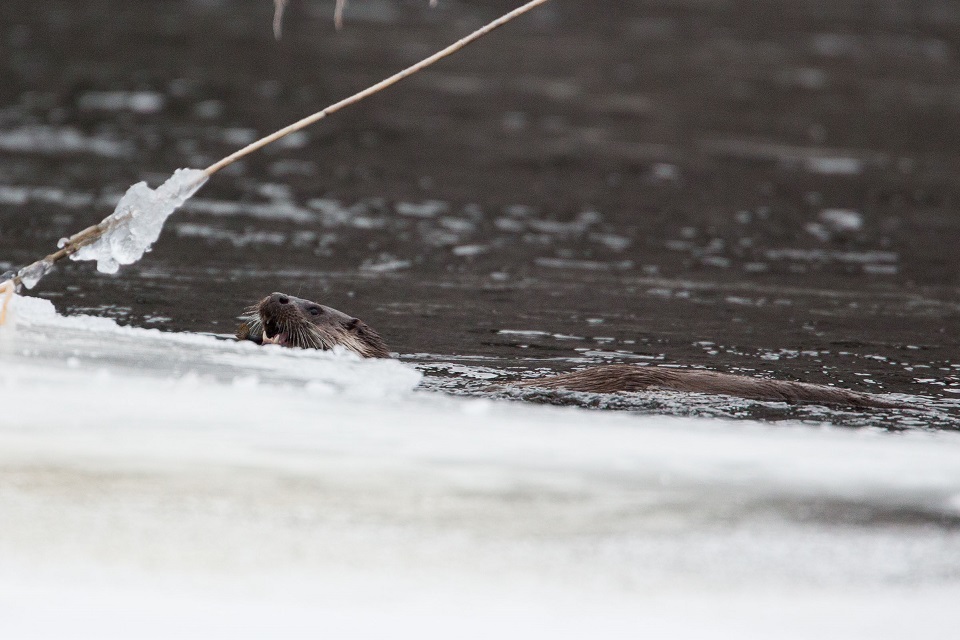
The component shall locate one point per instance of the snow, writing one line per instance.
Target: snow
(289, 613)
(135, 224)
(156, 484)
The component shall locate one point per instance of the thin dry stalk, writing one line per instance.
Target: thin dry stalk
(380, 86)
(7, 290)
(90, 234)
(278, 7)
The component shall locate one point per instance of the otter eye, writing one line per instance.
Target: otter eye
(314, 311)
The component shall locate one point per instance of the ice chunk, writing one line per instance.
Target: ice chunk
(136, 222)
(842, 220)
(31, 274)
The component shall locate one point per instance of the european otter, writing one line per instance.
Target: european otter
(294, 322)
(289, 321)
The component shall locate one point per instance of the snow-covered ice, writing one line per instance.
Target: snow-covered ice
(156, 484)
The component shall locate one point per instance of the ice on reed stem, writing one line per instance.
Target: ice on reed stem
(136, 223)
(31, 274)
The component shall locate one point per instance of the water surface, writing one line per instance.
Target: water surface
(764, 188)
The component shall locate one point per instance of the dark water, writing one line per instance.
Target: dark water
(765, 187)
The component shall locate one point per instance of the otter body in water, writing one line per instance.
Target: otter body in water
(294, 322)
(615, 378)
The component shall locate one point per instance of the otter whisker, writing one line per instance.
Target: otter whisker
(253, 322)
(291, 332)
(299, 338)
(311, 338)
(321, 340)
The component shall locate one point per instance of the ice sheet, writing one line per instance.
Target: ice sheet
(175, 483)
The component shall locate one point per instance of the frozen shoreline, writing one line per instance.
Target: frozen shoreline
(185, 480)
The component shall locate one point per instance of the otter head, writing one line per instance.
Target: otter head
(294, 322)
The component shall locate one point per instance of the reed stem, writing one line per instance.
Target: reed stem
(369, 91)
(90, 234)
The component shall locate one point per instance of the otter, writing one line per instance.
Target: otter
(289, 321)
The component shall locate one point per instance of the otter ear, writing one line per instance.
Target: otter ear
(352, 324)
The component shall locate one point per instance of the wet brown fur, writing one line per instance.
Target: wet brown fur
(630, 378)
(308, 325)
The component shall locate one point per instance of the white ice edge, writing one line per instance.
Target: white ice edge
(188, 482)
(694, 447)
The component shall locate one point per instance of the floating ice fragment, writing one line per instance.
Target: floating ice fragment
(384, 264)
(426, 209)
(835, 166)
(60, 140)
(842, 220)
(136, 222)
(665, 171)
(136, 101)
(468, 250)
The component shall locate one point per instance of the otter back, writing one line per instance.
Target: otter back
(629, 378)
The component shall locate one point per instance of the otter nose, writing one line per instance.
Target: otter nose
(280, 298)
